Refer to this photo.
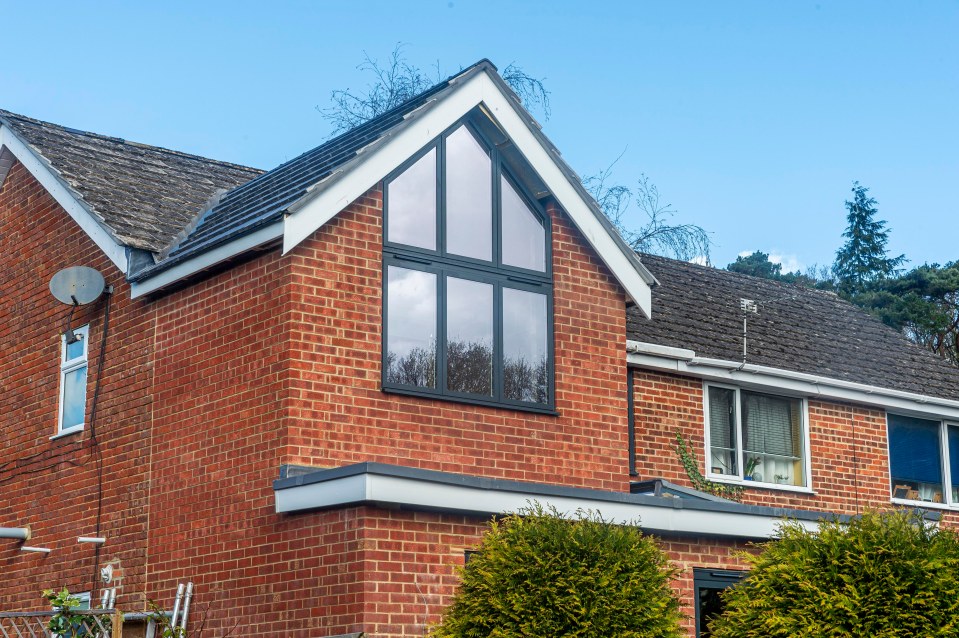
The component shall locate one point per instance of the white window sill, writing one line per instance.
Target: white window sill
(929, 504)
(762, 486)
(74, 430)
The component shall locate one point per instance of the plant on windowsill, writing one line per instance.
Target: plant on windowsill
(750, 474)
(700, 482)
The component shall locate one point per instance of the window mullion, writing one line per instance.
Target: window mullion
(741, 455)
(497, 209)
(498, 341)
(441, 319)
(441, 197)
(945, 462)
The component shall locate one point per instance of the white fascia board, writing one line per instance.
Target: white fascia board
(425, 495)
(206, 260)
(328, 198)
(65, 196)
(797, 383)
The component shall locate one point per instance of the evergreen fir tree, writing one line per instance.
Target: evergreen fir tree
(863, 259)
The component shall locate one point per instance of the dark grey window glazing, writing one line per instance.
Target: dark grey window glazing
(469, 197)
(411, 327)
(468, 300)
(525, 348)
(469, 336)
(412, 201)
(524, 238)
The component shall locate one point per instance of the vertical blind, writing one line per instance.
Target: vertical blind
(771, 425)
(722, 419)
(914, 453)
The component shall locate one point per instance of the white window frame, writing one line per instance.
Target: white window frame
(70, 365)
(739, 479)
(944, 426)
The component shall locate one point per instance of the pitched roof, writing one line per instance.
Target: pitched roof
(262, 201)
(796, 329)
(142, 195)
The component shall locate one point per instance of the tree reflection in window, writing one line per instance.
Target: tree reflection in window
(468, 315)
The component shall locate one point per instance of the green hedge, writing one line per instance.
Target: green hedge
(538, 575)
(883, 575)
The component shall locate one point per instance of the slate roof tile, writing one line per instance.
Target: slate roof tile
(143, 195)
(796, 328)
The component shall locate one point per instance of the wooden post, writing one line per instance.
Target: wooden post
(117, 630)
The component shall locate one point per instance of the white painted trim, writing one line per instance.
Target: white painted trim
(329, 197)
(789, 382)
(421, 494)
(65, 196)
(206, 260)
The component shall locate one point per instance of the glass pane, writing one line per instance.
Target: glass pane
(75, 349)
(411, 327)
(915, 462)
(411, 204)
(525, 348)
(469, 336)
(722, 432)
(469, 197)
(772, 439)
(74, 397)
(711, 606)
(524, 238)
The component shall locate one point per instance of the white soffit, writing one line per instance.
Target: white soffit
(685, 362)
(332, 195)
(64, 195)
(418, 494)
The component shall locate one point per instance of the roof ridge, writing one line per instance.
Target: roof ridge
(10, 114)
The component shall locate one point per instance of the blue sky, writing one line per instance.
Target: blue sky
(753, 118)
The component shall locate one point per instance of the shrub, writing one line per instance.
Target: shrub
(882, 575)
(539, 575)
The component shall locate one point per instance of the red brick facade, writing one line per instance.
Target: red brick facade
(209, 389)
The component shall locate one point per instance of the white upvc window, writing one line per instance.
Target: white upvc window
(73, 382)
(923, 461)
(755, 438)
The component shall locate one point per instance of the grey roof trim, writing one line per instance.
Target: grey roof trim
(545, 490)
(203, 261)
(660, 487)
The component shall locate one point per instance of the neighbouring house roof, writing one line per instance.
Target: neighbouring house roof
(143, 195)
(796, 329)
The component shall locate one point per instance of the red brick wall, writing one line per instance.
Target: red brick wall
(838, 432)
(51, 485)
(341, 416)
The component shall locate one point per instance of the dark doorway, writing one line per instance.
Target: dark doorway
(708, 584)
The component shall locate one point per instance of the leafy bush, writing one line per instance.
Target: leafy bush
(539, 575)
(883, 575)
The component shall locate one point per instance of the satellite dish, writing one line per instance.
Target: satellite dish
(77, 286)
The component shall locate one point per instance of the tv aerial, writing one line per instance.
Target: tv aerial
(76, 286)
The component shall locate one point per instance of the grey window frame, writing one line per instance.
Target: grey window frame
(443, 264)
(716, 579)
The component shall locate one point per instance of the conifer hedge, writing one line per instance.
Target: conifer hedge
(539, 575)
(884, 575)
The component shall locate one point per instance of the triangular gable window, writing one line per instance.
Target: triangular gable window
(468, 295)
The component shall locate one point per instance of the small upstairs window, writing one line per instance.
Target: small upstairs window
(756, 438)
(468, 282)
(73, 381)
